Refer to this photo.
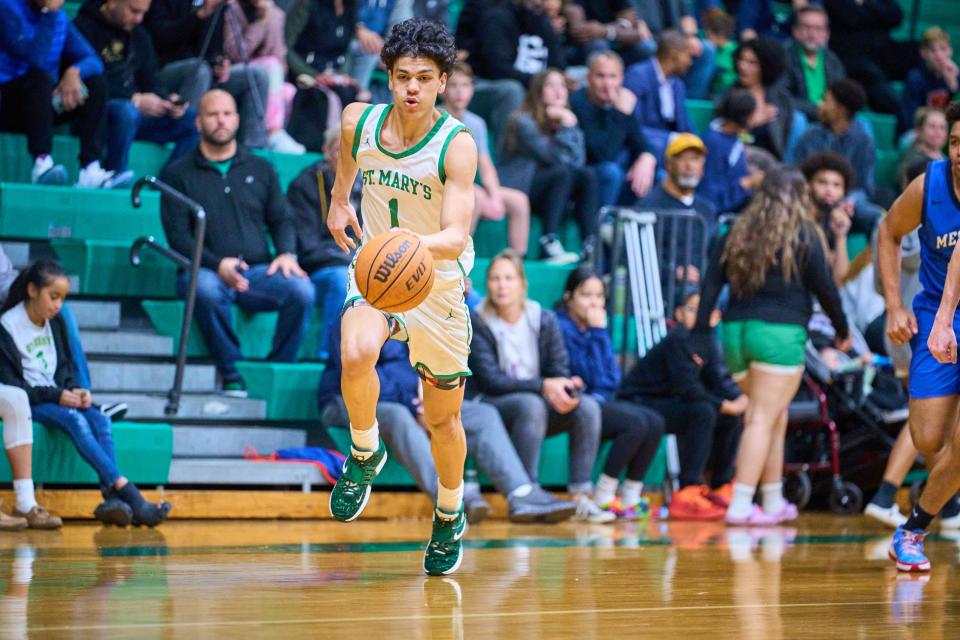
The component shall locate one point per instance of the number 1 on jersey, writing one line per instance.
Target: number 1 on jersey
(394, 213)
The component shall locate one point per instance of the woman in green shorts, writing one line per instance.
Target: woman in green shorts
(774, 260)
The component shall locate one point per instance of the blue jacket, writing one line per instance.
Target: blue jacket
(641, 78)
(398, 380)
(725, 165)
(31, 39)
(855, 145)
(921, 88)
(591, 357)
(375, 14)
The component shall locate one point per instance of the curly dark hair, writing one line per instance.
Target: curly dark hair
(736, 105)
(420, 38)
(849, 94)
(770, 55)
(828, 161)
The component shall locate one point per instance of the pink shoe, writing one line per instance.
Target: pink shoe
(789, 512)
(757, 518)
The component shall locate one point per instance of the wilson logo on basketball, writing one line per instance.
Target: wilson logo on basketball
(390, 261)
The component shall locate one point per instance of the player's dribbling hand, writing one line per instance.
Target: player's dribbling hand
(343, 216)
(901, 326)
(943, 343)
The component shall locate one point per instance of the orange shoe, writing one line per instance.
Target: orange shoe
(721, 496)
(690, 504)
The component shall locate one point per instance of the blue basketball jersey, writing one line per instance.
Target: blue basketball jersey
(939, 231)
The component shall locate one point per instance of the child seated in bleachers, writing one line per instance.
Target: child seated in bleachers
(635, 430)
(35, 355)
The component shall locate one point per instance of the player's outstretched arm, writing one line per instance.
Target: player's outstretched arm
(342, 215)
(904, 216)
(460, 168)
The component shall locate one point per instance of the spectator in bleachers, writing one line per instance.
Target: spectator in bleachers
(50, 75)
(400, 416)
(760, 66)
(830, 175)
(660, 92)
(373, 23)
(308, 198)
(545, 157)
(616, 148)
(18, 443)
(811, 65)
(517, 42)
(719, 27)
(774, 260)
(727, 182)
(493, 201)
(242, 197)
(255, 35)
(679, 15)
(930, 137)
(860, 35)
(136, 108)
(318, 34)
(686, 156)
(839, 131)
(635, 430)
(933, 83)
(683, 379)
(496, 98)
(35, 355)
(605, 25)
(188, 38)
(521, 366)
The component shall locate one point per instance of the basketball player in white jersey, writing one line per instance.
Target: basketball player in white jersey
(418, 165)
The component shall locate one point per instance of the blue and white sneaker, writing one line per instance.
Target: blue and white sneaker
(906, 550)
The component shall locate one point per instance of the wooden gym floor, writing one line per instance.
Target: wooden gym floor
(825, 577)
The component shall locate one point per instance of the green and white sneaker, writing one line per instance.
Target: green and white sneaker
(350, 494)
(444, 552)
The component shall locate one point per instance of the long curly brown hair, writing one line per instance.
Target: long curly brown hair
(770, 230)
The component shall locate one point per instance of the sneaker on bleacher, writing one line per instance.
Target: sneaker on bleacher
(46, 172)
(552, 251)
(93, 176)
(281, 141)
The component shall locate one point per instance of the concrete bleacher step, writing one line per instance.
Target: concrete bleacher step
(96, 314)
(149, 376)
(190, 441)
(144, 406)
(17, 252)
(125, 343)
(218, 471)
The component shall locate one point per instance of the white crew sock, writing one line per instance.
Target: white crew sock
(365, 441)
(772, 495)
(605, 490)
(742, 503)
(26, 500)
(630, 492)
(449, 500)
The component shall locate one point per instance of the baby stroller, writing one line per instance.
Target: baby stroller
(841, 418)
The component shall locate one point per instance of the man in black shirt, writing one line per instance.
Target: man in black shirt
(241, 195)
(602, 25)
(614, 138)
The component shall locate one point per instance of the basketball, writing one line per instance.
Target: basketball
(394, 271)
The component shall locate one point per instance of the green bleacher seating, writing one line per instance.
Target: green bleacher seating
(886, 171)
(884, 129)
(289, 389)
(40, 212)
(701, 113)
(554, 463)
(144, 451)
(490, 237)
(104, 269)
(288, 166)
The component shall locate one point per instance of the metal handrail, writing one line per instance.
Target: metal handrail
(200, 216)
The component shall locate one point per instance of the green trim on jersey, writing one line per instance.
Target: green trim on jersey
(443, 151)
(359, 130)
(412, 150)
(419, 366)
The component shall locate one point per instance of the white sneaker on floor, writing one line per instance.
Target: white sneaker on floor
(949, 523)
(46, 172)
(93, 176)
(281, 141)
(890, 516)
(588, 511)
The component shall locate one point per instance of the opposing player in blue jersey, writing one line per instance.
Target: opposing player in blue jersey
(931, 202)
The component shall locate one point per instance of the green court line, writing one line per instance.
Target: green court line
(417, 545)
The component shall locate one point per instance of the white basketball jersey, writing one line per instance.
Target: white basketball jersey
(405, 189)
